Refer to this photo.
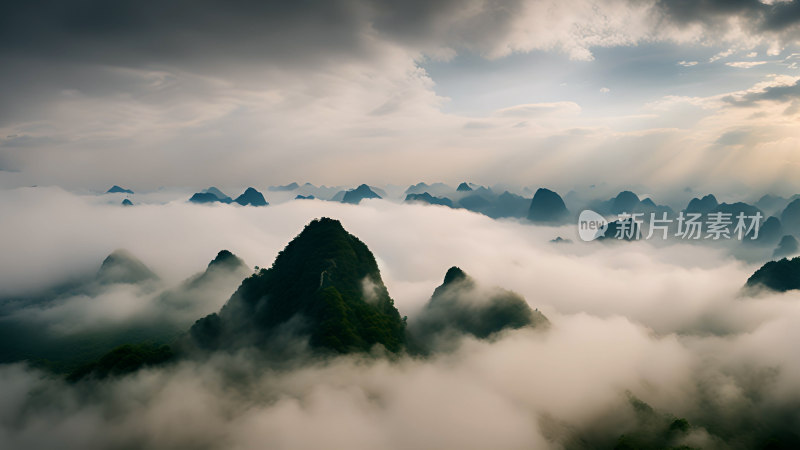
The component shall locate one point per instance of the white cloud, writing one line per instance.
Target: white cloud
(539, 109)
(745, 64)
(643, 319)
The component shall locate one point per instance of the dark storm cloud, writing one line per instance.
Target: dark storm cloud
(120, 92)
(50, 47)
(757, 16)
(148, 31)
(210, 33)
(781, 93)
(151, 31)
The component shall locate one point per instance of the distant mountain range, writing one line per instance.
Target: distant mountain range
(780, 220)
(120, 271)
(118, 190)
(250, 197)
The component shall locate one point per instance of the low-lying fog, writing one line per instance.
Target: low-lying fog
(665, 324)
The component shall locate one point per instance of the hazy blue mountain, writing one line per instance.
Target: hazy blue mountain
(463, 187)
(786, 247)
(547, 207)
(429, 199)
(289, 187)
(251, 197)
(483, 191)
(122, 267)
(782, 275)
(210, 195)
(127, 202)
(475, 202)
(418, 188)
(630, 203)
(648, 207)
(702, 205)
(204, 197)
(219, 194)
(790, 217)
(118, 190)
(321, 192)
(435, 189)
(324, 286)
(628, 233)
(624, 202)
(739, 207)
(381, 193)
(481, 200)
(769, 232)
(460, 307)
(509, 205)
(354, 196)
(304, 197)
(773, 204)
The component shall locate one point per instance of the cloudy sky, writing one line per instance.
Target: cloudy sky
(654, 95)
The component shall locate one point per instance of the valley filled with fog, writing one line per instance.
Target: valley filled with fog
(645, 341)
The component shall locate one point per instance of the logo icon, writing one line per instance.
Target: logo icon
(591, 225)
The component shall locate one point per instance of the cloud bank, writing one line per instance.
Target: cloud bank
(666, 325)
(190, 94)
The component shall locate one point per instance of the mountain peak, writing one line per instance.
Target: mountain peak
(210, 195)
(216, 192)
(289, 187)
(624, 202)
(225, 258)
(118, 190)
(325, 283)
(454, 274)
(355, 196)
(547, 207)
(463, 187)
(122, 267)
(782, 275)
(251, 197)
(702, 205)
(460, 306)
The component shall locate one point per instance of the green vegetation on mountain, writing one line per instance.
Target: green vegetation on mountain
(781, 276)
(460, 307)
(123, 360)
(324, 285)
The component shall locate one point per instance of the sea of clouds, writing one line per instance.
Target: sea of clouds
(665, 324)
